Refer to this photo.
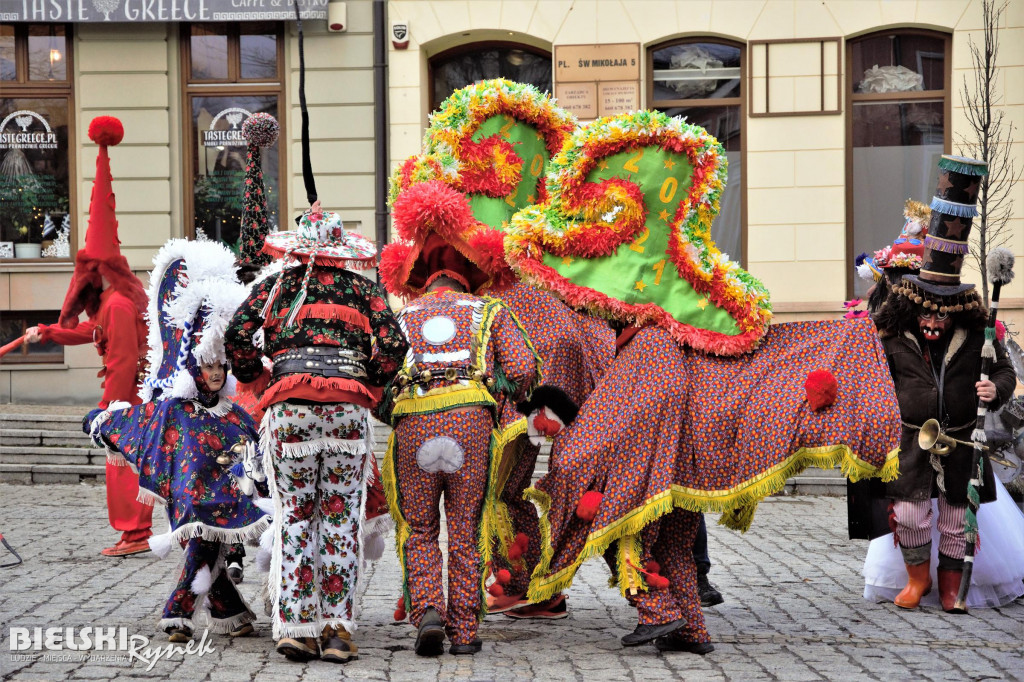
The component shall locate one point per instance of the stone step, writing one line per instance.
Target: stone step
(53, 422)
(52, 473)
(13, 454)
(43, 436)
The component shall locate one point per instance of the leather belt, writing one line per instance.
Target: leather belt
(326, 361)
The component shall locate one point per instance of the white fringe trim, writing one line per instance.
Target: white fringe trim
(314, 447)
(149, 498)
(313, 629)
(378, 525)
(265, 504)
(176, 623)
(161, 544)
(198, 529)
(115, 458)
(225, 625)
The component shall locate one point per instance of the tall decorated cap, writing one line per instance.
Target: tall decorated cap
(483, 158)
(953, 208)
(260, 130)
(625, 232)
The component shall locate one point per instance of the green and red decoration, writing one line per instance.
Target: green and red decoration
(625, 232)
(484, 158)
(260, 130)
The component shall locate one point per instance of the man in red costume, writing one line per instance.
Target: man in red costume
(105, 288)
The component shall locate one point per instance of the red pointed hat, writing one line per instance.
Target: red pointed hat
(101, 257)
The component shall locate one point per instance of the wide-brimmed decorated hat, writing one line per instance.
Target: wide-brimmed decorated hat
(905, 253)
(484, 157)
(322, 239)
(937, 284)
(626, 233)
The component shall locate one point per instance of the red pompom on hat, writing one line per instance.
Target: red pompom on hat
(106, 131)
(822, 388)
(503, 576)
(589, 503)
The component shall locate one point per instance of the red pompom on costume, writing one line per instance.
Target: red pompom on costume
(589, 503)
(821, 389)
(106, 131)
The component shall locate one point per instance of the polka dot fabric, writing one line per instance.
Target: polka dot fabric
(669, 428)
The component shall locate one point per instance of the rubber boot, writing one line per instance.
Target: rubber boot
(949, 587)
(919, 583)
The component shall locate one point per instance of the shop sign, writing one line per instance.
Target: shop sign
(18, 131)
(579, 99)
(138, 11)
(231, 137)
(613, 62)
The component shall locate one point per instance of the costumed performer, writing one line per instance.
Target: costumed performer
(933, 328)
(468, 356)
(693, 414)
(180, 443)
(484, 157)
(104, 287)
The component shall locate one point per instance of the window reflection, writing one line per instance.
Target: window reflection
(696, 71)
(472, 65)
(258, 47)
(209, 50)
(8, 66)
(47, 53)
(898, 63)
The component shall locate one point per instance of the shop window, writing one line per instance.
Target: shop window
(234, 71)
(468, 64)
(13, 325)
(898, 88)
(702, 80)
(36, 109)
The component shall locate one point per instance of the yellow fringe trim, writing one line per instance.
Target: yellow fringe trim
(487, 530)
(441, 399)
(389, 479)
(737, 505)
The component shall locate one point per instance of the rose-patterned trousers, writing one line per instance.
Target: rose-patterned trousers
(227, 609)
(318, 497)
(446, 452)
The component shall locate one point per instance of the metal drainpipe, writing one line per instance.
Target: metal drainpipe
(380, 120)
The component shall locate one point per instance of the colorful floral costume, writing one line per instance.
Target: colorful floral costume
(468, 356)
(181, 443)
(335, 343)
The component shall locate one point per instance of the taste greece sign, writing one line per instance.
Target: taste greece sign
(135, 11)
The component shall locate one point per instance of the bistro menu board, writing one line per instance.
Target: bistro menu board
(136, 11)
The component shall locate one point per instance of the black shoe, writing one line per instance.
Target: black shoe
(298, 648)
(430, 635)
(649, 633)
(466, 649)
(235, 574)
(336, 646)
(709, 596)
(675, 644)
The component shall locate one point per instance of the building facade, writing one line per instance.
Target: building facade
(831, 113)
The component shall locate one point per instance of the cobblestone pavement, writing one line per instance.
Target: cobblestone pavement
(793, 611)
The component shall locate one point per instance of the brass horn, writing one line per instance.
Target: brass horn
(932, 439)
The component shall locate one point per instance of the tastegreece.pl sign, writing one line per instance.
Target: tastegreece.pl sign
(133, 11)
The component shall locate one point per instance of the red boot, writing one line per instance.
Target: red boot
(919, 583)
(949, 586)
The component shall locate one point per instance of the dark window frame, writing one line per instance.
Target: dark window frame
(231, 86)
(21, 88)
(740, 100)
(477, 46)
(894, 98)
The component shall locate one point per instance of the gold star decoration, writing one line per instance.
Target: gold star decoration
(669, 163)
(702, 303)
(504, 223)
(640, 286)
(529, 198)
(663, 215)
(954, 228)
(603, 165)
(567, 260)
